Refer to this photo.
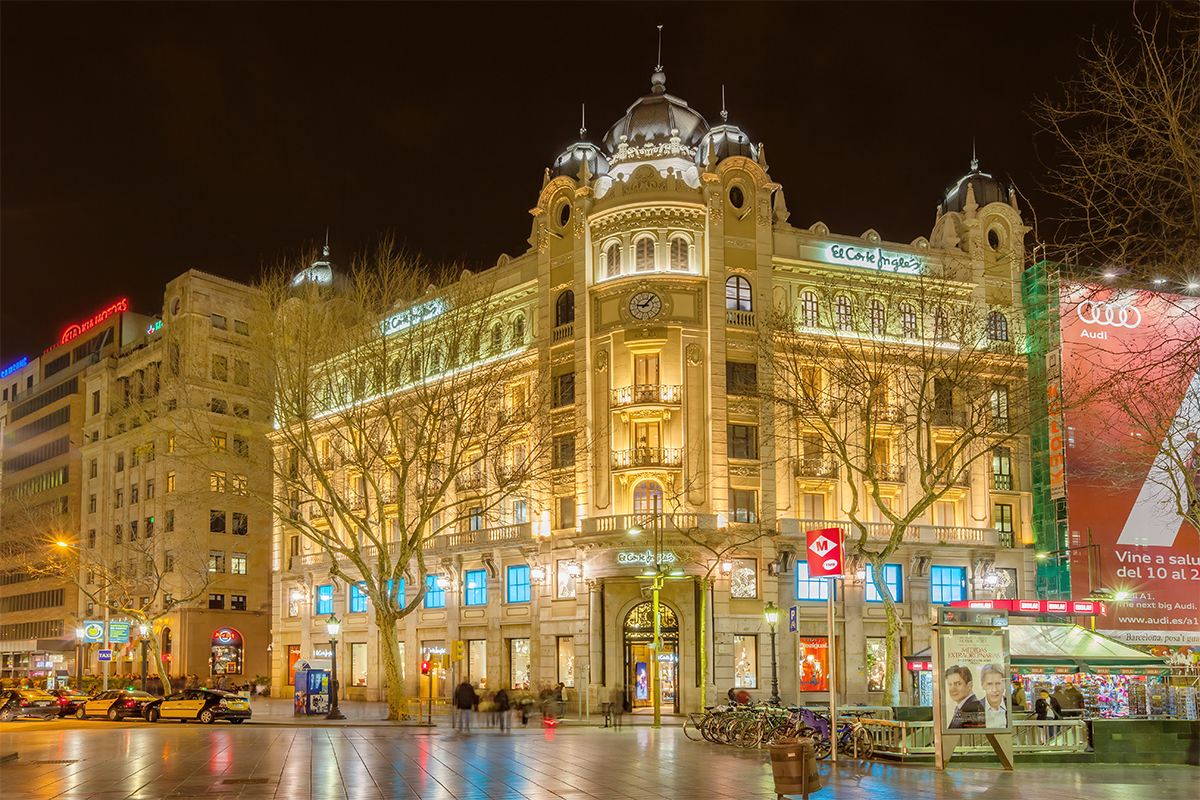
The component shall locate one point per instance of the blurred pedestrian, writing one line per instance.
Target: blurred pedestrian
(618, 705)
(465, 700)
(503, 709)
(1019, 702)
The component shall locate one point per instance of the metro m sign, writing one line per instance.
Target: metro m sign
(826, 558)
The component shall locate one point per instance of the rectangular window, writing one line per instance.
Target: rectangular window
(120, 462)
(564, 451)
(216, 601)
(216, 560)
(240, 326)
(743, 505)
(520, 511)
(358, 663)
(358, 599)
(810, 588)
(566, 579)
(566, 660)
(434, 597)
(133, 494)
(745, 661)
(475, 587)
(891, 579)
(293, 655)
(92, 504)
(94, 469)
(240, 486)
(645, 370)
(216, 521)
(1002, 476)
(133, 530)
(149, 527)
(91, 539)
(999, 404)
(324, 600)
(219, 442)
(566, 512)
(743, 580)
(947, 584)
(218, 322)
(240, 524)
(241, 447)
(169, 522)
(564, 390)
(477, 661)
(237, 564)
(119, 499)
(743, 441)
(518, 663)
(217, 482)
(169, 561)
(150, 489)
(518, 583)
(241, 372)
(237, 602)
(741, 378)
(220, 368)
(218, 405)
(475, 518)
(95, 401)
(240, 411)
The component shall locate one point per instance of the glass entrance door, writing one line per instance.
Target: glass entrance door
(640, 658)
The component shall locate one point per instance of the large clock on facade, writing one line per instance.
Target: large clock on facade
(645, 305)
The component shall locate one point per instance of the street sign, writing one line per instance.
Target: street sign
(93, 631)
(105, 655)
(825, 554)
(792, 619)
(118, 632)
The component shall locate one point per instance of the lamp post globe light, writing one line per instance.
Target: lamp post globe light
(771, 613)
(333, 626)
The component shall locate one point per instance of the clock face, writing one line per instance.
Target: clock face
(645, 305)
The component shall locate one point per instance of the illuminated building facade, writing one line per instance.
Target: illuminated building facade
(652, 259)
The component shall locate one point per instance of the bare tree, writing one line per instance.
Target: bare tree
(898, 388)
(1127, 139)
(405, 410)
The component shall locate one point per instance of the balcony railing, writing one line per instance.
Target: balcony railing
(483, 537)
(948, 418)
(882, 531)
(648, 457)
(887, 412)
(815, 467)
(960, 479)
(470, 483)
(621, 523)
(893, 473)
(646, 393)
(740, 319)
(563, 333)
(1000, 483)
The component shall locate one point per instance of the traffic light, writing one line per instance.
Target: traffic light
(424, 667)
(458, 650)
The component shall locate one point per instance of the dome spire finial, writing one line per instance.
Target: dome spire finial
(327, 241)
(659, 67)
(658, 81)
(583, 121)
(974, 160)
(724, 113)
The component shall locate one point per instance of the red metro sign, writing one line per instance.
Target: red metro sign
(80, 328)
(825, 553)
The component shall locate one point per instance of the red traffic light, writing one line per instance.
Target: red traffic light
(424, 667)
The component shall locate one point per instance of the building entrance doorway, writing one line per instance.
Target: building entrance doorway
(640, 657)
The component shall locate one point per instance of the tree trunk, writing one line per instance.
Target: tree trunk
(390, 651)
(158, 662)
(703, 642)
(891, 674)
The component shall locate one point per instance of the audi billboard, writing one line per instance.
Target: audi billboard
(1130, 365)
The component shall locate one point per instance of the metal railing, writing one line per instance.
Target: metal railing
(1000, 483)
(893, 473)
(931, 534)
(563, 332)
(815, 467)
(469, 483)
(948, 418)
(742, 319)
(1029, 736)
(647, 457)
(646, 393)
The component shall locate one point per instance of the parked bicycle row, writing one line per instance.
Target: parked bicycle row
(764, 725)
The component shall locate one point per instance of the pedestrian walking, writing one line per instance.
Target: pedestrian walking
(1019, 702)
(1047, 707)
(193, 682)
(465, 700)
(618, 705)
(502, 709)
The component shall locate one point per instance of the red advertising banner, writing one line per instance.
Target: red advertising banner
(812, 655)
(1131, 391)
(826, 557)
(1038, 608)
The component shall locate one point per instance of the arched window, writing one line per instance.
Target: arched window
(497, 337)
(564, 312)
(737, 294)
(908, 321)
(518, 331)
(844, 313)
(997, 327)
(679, 254)
(612, 260)
(877, 318)
(647, 498)
(809, 310)
(643, 255)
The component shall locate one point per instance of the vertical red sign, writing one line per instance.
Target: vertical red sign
(826, 557)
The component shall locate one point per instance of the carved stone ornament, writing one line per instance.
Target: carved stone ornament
(563, 358)
(645, 179)
(558, 262)
(695, 354)
(714, 210)
(739, 243)
(744, 472)
(687, 218)
(543, 239)
(764, 213)
(919, 566)
(601, 360)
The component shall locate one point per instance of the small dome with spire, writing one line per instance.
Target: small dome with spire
(570, 160)
(725, 140)
(655, 119)
(323, 275)
(986, 189)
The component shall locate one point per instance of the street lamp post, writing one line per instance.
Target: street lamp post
(659, 575)
(772, 615)
(333, 626)
(144, 630)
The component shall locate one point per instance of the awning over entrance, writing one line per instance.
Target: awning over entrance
(1069, 648)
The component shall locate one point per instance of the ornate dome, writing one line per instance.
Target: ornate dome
(654, 119)
(727, 140)
(323, 275)
(569, 160)
(986, 188)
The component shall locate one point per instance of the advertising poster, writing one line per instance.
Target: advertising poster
(812, 653)
(642, 675)
(1131, 452)
(974, 676)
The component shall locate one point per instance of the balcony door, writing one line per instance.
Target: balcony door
(645, 370)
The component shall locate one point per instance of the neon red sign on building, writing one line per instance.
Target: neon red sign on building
(80, 328)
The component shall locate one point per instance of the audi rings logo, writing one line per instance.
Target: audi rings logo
(1092, 313)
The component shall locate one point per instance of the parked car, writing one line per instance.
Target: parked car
(27, 703)
(206, 705)
(115, 704)
(68, 700)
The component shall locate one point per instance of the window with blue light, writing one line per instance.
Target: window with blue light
(518, 584)
(434, 597)
(358, 599)
(891, 579)
(399, 594)
(324, 600)
(810, 588)
(475, 588)
(947, 584)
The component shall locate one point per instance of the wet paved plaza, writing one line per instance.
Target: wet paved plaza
(221, 762)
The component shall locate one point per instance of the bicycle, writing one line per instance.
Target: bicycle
(853, 738)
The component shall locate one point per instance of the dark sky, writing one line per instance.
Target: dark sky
(140, 140)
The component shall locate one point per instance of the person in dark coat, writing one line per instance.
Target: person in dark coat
(465, 700)
(1019, 703)
(502, 708)
(1047, 707)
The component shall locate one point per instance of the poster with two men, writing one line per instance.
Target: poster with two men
(974, 681)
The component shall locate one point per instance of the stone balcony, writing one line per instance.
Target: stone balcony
(647, 394)
(913, 534)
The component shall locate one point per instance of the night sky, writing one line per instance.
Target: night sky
(140, 140)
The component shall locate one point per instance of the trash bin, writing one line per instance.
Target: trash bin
(794, 764)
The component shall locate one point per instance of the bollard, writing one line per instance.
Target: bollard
(794, 765)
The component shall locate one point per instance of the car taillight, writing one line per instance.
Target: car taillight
(131, 703)
(24, 702)
(62, 701)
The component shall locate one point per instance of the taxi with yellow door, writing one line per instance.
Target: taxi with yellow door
(205, 705)
(115, 704)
